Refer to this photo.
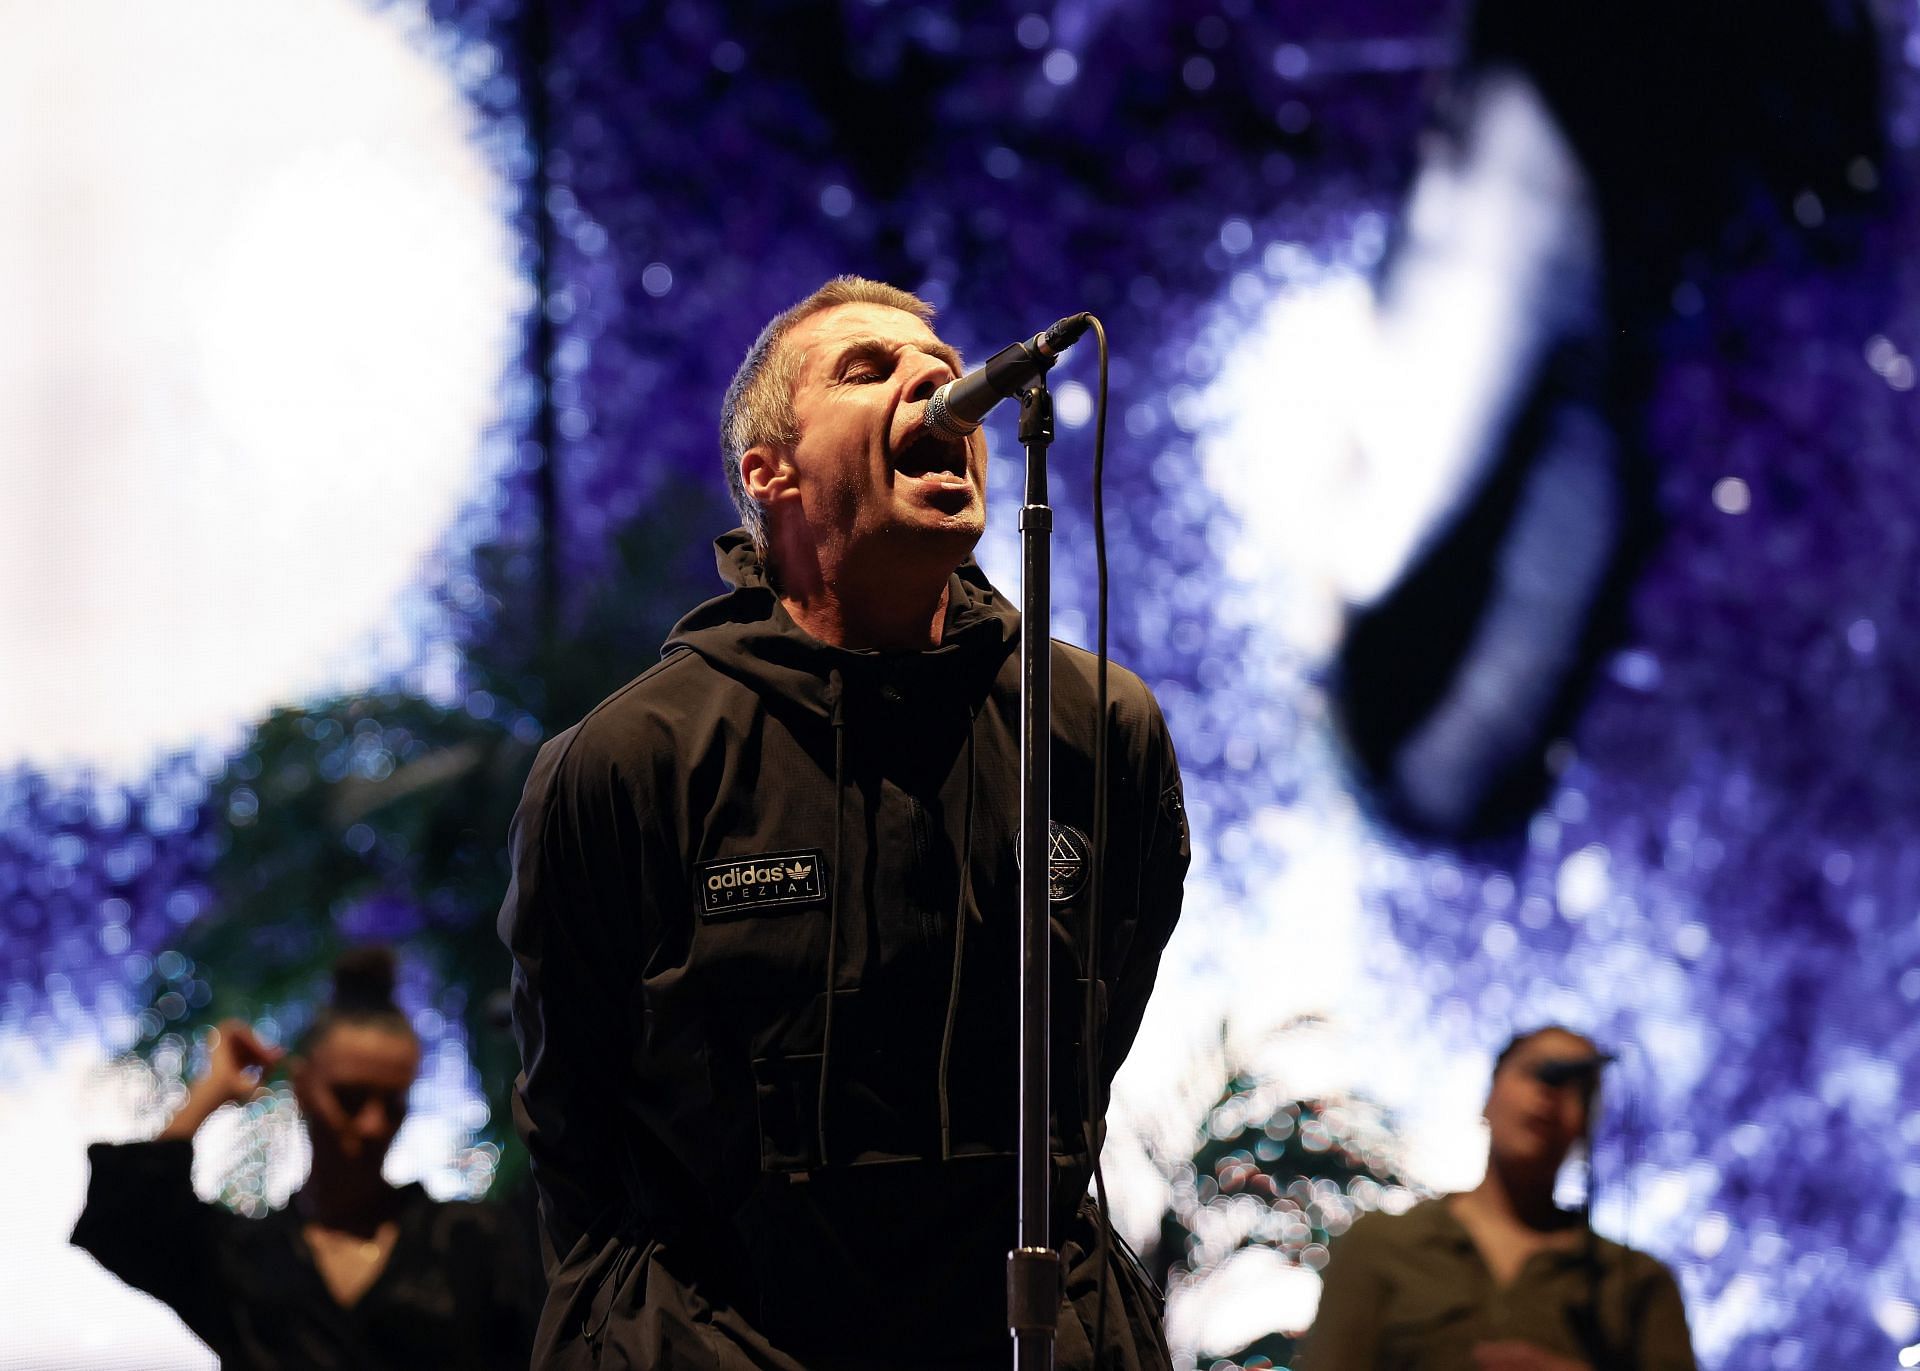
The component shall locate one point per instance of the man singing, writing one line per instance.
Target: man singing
(764, 914)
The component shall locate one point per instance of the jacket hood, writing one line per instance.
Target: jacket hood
(747, 634)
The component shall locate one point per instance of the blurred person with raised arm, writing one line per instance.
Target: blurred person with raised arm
(354, 1273)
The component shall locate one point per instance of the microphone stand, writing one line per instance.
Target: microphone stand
(1033, 1267)
(1604, 1355)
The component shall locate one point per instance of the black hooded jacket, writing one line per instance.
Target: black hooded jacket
(764, 921)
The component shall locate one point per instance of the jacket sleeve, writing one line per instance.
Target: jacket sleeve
(1353, 1296)
(514, 1285)
(1160, 874)
(143, 1223)
(1660, 1338)
(570, 919)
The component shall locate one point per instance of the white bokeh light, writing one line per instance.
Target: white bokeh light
(260, 292)
(1345, 423)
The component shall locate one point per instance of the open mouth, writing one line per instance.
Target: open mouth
(928, 455)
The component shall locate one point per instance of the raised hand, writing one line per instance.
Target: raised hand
(237, 1061)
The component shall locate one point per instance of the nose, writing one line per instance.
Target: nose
(928, 375)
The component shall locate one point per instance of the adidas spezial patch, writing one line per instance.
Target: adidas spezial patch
(766, 879)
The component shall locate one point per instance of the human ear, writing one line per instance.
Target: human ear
(767, 474)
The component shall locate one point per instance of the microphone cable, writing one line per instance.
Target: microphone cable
(1096, 1125)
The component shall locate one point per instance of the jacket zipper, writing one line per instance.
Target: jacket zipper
(917, 826)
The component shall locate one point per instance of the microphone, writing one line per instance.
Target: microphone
(958, 407)
(1562, 1070)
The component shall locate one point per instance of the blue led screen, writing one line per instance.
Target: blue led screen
(1509, 491)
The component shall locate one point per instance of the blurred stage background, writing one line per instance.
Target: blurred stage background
(1511, 495)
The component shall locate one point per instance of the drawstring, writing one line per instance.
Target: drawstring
(616, 1275)
(959, 944)
(838, 687)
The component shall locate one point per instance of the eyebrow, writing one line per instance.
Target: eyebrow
(880, 347)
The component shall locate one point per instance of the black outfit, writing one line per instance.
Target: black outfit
(457, 1291)
(764, 923)
(1412, 1293)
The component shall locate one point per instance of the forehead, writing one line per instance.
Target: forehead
(819, 338)
(1549, 1044)
(366, 1055)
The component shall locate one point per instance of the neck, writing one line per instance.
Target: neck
(886, 605)
(1523, 1197)
(350, 1199)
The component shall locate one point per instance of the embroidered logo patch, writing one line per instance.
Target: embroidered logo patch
(761, 881)
(1067, 854)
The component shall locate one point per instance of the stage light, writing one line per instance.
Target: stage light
(260, 292)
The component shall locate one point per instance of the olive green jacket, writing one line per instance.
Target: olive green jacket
(1411, 1292)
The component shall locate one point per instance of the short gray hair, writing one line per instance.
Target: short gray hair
(758, 407)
